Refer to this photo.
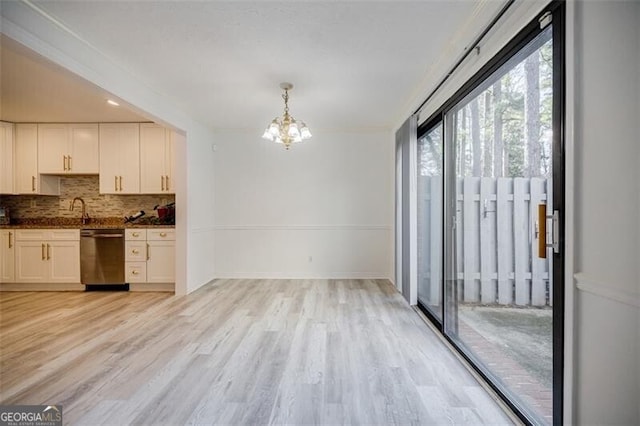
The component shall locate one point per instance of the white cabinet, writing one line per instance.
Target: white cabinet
(156, 159)
(7, 256)
(27, 178)
(150, 255)
(68, 149)
(6, 158)
(47, 256)
(120, 158)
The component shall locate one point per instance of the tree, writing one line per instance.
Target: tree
(498, 150)
(532, 114)
(475, 139)
(488, 160)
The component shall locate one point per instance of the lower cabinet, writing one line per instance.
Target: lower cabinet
(47, 256)
(7, 256)
(150, 255)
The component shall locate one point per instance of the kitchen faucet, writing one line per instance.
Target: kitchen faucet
(85, 216)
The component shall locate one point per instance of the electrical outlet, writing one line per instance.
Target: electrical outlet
(33, 202)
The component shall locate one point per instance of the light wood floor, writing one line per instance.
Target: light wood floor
(235, 352)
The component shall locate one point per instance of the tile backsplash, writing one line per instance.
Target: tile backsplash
(86, 187)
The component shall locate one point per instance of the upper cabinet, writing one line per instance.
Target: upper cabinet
(156, 160)
(68, 149)
(27, 178)
(6, 158)
(120, 158)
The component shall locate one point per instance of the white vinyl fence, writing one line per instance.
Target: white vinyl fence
(496, 240)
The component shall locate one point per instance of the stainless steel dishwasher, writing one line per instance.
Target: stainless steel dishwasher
(102, 259)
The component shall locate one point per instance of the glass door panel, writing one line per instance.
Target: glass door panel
(430, 210)
(499, 292)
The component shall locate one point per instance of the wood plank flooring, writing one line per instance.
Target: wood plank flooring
(235, 352)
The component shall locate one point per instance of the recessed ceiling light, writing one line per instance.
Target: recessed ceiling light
(112, 102)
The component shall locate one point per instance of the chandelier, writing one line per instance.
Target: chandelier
(286, 130)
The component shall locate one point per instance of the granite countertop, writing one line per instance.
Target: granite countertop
(75, 223)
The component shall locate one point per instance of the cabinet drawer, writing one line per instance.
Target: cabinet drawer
(135, 234)
(136, 251)
(136, 272)
(65, 235)
(47, 235)
(163, 234)
(32, 234)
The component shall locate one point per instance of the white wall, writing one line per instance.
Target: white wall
(607, 141)
(323, 209)
(194, 174)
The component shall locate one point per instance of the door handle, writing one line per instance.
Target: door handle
(542, 231)
(48, 254)
(115, 183)
(147, 251)
(10, 240)
(162, 183)
(120, 180)
(166, 182)
(64, 162)
(43, 258)
(69, 163)
(33, 183)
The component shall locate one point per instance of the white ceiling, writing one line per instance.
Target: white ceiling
(354, 64)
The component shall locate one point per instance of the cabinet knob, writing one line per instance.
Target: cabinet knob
(163, 234)
(135, 251)
(135, 234)
(135, 272)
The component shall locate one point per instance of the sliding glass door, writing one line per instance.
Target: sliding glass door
(501, 167)
(490, 190)
(429, 223)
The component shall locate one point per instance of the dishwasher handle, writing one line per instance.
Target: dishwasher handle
(92, 234)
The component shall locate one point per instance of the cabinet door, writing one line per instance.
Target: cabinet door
(27, 178)
(129, 159)
(161, 262)
(168, 161)
(152, 159)
(64, 261)
(109, 158)
(6, 158)
(31, 262)
(7, 256)
(119, 158)
(53, 140)
(26, 158)
(83, 154)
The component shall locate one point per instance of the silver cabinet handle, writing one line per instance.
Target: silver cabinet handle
(64, 162)
(10, 240)
(48, 254)
(162, 183)
(166, 182)
(42, 251)
(33, 183)
(120, 180)
(69, 162)
(147, 251)
(115, 183)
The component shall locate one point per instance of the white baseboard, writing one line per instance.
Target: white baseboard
(41, 287)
